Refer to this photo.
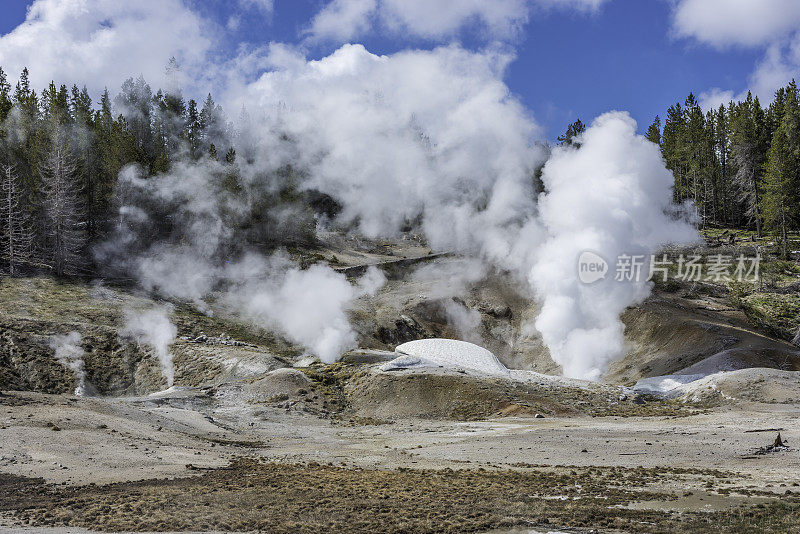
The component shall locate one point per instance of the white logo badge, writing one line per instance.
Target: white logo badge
(591, 267)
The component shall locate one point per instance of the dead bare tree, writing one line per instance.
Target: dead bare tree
(16, 229)
(746, 180)
(65, 225)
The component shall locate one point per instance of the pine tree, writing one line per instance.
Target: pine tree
(136, 104)
(172, 120)
(696, 152)
(212, 123)
(654, 131)
(114, 146)
(64, 223)
(55, 104)
(782, 169)
(81, 106)
(721, 151)
(774, 114)
(573, 131)
(23, 95)
(25, 143)
(16, 231)
(710, 171)
(673, 140)
(746, 149)
(207, 118)
(82, 136)
(193, 129)
(5, 97)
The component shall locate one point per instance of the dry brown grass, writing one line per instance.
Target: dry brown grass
(249, 495)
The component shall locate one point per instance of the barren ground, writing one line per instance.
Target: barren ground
(163, 464)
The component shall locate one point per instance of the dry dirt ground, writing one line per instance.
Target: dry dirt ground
(187, 461)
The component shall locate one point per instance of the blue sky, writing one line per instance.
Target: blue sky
(569, 63)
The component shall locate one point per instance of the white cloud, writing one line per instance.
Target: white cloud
(714, 97)
(736, 22)
(343, 20)
(102, 42)
(772, 25)
(234, 21)
(780, 64)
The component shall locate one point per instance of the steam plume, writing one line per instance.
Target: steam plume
(465, 320)
(153, 327)
(309, 306)
(611, 196)
(69, 353)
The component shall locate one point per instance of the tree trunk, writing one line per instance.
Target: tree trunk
(10, 225)
(756, 211)
(784, 237)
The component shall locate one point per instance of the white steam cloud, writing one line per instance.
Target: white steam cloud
(381, 135)
(69, 352)
(392, 146)
(465, 321)
(432, 137)
(153, 327)
(450, 278)
(309, 306)
(611, 197)
(201, 255)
